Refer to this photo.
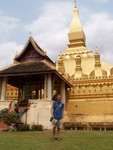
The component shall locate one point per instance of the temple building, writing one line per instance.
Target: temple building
(85, 82)
(91, 97)
(37, 80)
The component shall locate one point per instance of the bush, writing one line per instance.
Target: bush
(2, 112)
(36, 128)
(23, 127)
(10, 117)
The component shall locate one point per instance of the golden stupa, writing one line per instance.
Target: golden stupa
(90, 100)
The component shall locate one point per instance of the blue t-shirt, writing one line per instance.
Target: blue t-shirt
(58, 109)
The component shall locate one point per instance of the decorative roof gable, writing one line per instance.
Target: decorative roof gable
(32, 52)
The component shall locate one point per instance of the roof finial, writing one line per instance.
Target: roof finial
(75, 4)
(96, 49)
(30, 33)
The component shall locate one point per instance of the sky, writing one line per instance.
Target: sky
(49, 21)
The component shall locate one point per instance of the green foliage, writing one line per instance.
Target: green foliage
(10, 117)
(2, 112)
(23, 127)
(36, 128)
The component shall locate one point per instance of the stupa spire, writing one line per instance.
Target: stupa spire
(97, 58)
(75, 5)
(96, 51)
(76, 34)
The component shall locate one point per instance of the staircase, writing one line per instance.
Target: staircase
(3, 126)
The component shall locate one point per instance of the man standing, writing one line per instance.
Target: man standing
(57, 113)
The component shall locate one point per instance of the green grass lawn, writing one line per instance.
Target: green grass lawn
(72, 140)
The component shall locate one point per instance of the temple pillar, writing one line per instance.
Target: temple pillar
(49, 87)
(45, 86)
(4, 88)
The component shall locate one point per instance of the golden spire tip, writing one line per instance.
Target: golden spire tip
(75, 5)
(97, 51)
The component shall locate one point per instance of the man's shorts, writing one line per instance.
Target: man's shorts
(57, 122)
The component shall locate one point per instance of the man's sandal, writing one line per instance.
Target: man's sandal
(58, 139)
(53, 138)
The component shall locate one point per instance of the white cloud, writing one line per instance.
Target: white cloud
(50, 29)
(99, 32)
(103, 1)
(8, 49)
(7, 53)
(7, 23)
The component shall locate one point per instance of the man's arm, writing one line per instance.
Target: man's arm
(52, 110)
(63, 112)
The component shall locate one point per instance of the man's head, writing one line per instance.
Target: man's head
(59, 98)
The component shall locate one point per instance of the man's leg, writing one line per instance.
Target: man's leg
(54, 132)
(58, 132)
(58, 129)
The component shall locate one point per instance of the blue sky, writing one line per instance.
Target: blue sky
(48, 21)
